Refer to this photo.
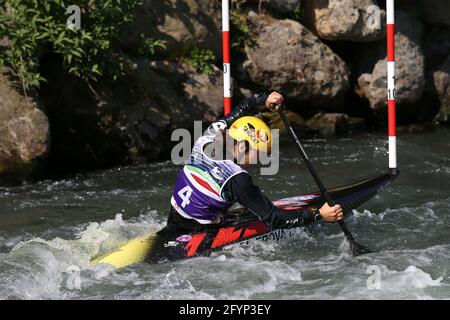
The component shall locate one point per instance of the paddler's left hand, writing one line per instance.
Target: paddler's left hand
(274, 101)
(331, 214)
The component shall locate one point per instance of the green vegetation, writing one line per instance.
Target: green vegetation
(37, 27)
(240, 31)
(202, 60)
(150, 47)
(298, 14)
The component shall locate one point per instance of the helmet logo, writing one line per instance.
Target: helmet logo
(256, 135)
(254, 131)
(251, 132)
(262, 135)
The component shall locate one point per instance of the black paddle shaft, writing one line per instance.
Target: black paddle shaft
(308, 163)
(355, 247)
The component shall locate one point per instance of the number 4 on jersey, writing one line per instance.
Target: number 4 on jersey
(185, 194)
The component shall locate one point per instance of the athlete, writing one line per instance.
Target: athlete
(208, 185)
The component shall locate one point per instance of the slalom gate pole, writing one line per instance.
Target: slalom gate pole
(390, 26)
(226, 56)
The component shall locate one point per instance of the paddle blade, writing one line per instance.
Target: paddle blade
(355, 248)
(358, 249)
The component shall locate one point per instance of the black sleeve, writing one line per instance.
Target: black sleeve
(241, 189)
(247, 107)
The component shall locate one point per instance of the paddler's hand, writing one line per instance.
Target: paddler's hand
(331, 214)
(274, 101)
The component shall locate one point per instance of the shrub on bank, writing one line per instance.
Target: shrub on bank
(34, 28)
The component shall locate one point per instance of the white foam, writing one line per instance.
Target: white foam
(38, 268)
(409, 283)
(302, 267)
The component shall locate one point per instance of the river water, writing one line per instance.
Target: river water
(49, 230)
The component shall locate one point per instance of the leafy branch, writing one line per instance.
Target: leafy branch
(34, 28)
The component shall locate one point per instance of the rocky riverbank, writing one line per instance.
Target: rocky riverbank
(327, 57)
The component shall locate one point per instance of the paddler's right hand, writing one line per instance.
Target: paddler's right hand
(274, 101)
(331, 214)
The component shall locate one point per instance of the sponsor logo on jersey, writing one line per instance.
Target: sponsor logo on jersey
(171, 244)
(217, 173)
(184, 238)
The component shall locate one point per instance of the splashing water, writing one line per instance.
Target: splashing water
(50, 230)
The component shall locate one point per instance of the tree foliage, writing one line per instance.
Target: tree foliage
(202, 60)
(34, 28)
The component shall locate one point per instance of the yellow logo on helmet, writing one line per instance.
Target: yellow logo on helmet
(254, 131)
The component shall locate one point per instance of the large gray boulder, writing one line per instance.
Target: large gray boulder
(182, 24)
(24, 132)
(274, 121)
(346, 20)
(287, 57)
(204, 92)
(335, 124)
(410, 67)
(442, 85)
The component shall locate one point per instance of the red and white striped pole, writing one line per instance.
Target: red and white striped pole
(226, 56)
(390, 14)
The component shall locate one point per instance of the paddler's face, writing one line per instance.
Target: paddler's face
(245, 157)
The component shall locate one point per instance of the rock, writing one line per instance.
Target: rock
(416, 128)
(205, 92)
(410, 68)
(183, 24)
(274, 121)
(24, 132)
(282, 6)
(442, 85)
(436, 48)
(335, 124)
(435, 11)
(128, 121)
(288, 58)
(364, 81)
(346, 20)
